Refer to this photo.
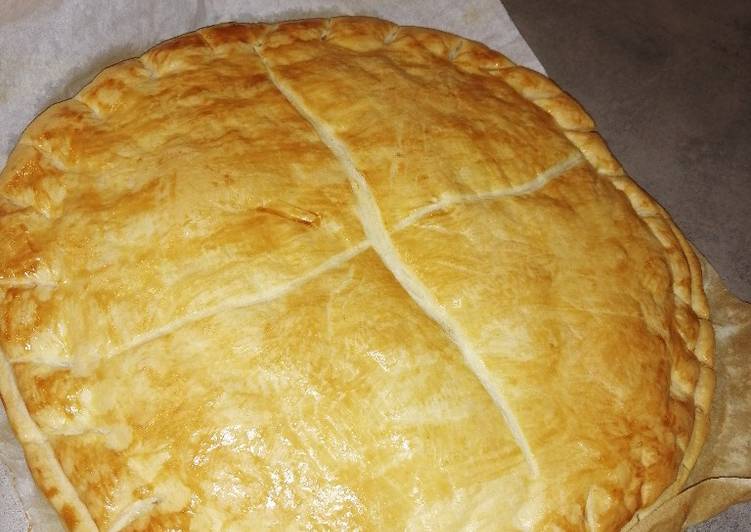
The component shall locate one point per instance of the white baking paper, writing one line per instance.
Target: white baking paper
(50, 49)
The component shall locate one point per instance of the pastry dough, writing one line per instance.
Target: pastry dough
(340, 274)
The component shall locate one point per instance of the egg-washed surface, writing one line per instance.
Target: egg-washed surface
(316, 415)
(172, 196)
(341, 274)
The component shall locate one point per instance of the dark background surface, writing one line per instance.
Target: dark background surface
(669, 84)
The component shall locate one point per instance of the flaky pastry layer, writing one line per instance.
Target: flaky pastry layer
(338, 274)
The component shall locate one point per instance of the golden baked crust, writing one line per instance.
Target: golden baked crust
(339, 274)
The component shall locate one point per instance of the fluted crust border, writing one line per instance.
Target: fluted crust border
(465, 54)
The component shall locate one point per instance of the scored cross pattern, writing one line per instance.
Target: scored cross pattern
(341, 273)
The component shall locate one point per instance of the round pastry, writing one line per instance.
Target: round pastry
(340, 274)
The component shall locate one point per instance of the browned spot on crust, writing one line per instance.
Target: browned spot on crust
(192, 40)
(20, 316)
(232, 33)
(69, 516)
(165, 522)
(30, 174)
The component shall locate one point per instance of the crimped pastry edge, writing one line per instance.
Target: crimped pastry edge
(40, 457)
(571, 120)
(607, 166)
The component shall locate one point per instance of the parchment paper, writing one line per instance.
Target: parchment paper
(722, 475)
(49, 49)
